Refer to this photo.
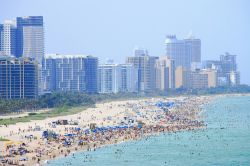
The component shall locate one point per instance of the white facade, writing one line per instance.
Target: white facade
(165, 73)
(33, 42)
(8, 36)
(109, 81)
(129, 78)
(114, 78)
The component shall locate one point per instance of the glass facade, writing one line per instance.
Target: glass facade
(18, 78)
(70, 73)
(30, 37)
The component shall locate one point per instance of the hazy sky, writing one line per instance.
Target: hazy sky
(112, 28)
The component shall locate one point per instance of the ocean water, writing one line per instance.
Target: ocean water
(225, 142)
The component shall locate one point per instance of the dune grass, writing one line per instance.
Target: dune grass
(61, 111)
(3, 139)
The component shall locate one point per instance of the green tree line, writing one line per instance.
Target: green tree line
(73, 99)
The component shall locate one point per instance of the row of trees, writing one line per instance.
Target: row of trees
(72, 99)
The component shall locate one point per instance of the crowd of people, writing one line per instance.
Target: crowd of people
(134, 120)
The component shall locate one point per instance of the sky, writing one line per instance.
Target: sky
(113, 28)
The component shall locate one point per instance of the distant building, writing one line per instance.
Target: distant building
(146, 69)
(227, 74)
(30, 37)
(23, 37)
(165, 73)
(109, 81)
(183, 52)
(18, 78)
(212, 77)
(8, 38)
(114, 78)
(179, 77)
(195, 80)
(129, 78)
(69, 73)
(199, 79)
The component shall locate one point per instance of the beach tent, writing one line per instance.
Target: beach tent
(77, 129)
(69, 135)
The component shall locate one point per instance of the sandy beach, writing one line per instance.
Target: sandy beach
(105, 123)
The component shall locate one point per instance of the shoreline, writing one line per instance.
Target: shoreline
(181, 111)
(121, 142)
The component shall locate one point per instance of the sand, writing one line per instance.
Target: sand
(103, 114)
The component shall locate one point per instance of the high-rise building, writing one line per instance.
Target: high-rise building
(8, 38)
(193, 49)
(18, 78)
(1, 38)
(30, 37)
(179, 77)
(114, 78)
(165, 73)
(69, 73)
(183, 52)
(109, 81)
(146, 69)
(23, 37)
(226, 69)
(129, 78)
(91, 74)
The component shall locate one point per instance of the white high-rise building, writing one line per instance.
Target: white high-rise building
(114, 78)
(8, 38)
(108, 78)
(129, 78)
(165, 73)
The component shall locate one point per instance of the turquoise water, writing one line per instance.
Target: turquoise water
(225, 142)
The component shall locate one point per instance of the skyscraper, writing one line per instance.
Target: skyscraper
(18, 78)
(8, 38)
(183, 52)
(23, 36)
(193, 49)
(30, 37)
(146, 69)
(129, 78)
(1, 38)
(69, 73)
(165, 73)
(114, 78)
(108, 78)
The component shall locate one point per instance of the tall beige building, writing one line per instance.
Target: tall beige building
(179, 77)
(212, 77)
(165, 73)
(198, 79)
